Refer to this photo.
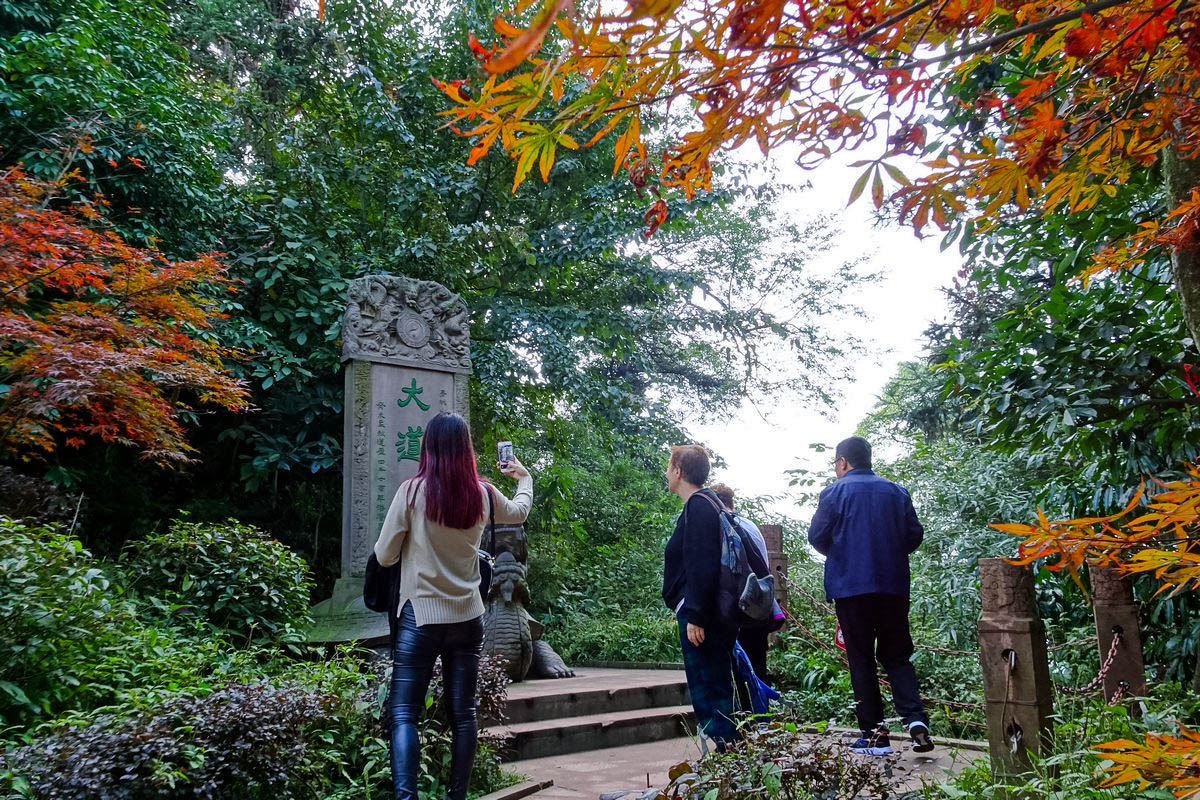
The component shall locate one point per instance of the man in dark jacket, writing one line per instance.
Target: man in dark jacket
(865, 526)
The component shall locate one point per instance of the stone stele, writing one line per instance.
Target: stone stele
(407, 351)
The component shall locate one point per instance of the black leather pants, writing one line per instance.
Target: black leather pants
(415, 650)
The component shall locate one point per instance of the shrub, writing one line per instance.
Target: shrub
(233, 573)
(635, 636)
(610, 607)
(142, 664)
(24, 496)
(238, 742)
(777, 760)
(54, 605)
(815, 686)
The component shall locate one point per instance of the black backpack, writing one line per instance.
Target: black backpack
(745, 585)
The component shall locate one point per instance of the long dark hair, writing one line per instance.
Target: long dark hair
(447, 471)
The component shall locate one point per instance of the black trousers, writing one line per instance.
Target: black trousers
(415, 648)
(876, 626)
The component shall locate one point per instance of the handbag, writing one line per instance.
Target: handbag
(381, 585)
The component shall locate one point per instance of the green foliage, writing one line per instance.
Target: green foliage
(646, 637)
(815, 685)
(73, 639)
(1085, 385)
(55, 602)
(310, 153)
(962, 482)
(165, 704)
(233, 574)
(100, 86)
(1072, 770)
(324, 720)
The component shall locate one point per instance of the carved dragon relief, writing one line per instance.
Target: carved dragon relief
(398, 320)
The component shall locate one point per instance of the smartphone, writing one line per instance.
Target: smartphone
(504, 454)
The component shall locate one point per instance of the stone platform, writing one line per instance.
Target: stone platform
(619, 730)
(586, 776)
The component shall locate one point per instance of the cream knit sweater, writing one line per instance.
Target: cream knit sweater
(439, 570)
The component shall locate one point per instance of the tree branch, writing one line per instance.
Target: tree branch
(1015, 33)
(1119, 412)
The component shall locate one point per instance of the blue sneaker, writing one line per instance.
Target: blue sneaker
(873, 744)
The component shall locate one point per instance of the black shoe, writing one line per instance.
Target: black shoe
(922, 742)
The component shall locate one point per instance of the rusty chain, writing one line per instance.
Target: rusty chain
(968, 722)
(953, 703)
(823, 606)
(1088, 689)
(1067, 645)
(945, 651)
(837, 651)
(1099, 679)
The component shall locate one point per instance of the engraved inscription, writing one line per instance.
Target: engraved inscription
(380, 471)
(462, 394)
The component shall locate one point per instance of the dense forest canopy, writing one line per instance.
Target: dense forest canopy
(306, 152)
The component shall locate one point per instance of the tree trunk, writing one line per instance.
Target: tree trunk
(1183, 175)
(1196, 674)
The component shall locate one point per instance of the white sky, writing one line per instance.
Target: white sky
(898, 308)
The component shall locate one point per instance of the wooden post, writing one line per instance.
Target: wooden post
(1115, 611)
(778, 562)
(1016, 673)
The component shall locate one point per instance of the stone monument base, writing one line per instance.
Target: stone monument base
(343, 618)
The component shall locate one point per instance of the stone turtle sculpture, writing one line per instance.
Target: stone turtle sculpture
(509, 631)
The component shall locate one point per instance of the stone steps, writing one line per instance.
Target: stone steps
(596, 701)
(554, 737)
(597, 709)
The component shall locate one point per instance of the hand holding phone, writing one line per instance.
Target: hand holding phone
(504, 454)
(507, 461)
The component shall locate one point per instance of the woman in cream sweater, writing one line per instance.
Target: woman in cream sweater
(433, 529)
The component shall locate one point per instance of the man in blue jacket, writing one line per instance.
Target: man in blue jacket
(865, 526)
